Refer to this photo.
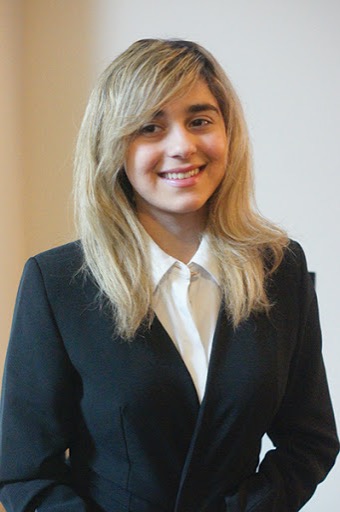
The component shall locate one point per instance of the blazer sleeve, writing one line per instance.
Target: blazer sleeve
(303, 431)
(36, 408)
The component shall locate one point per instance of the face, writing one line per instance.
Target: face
(176, 161)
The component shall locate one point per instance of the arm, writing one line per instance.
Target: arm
(37, 408)
(303, 430)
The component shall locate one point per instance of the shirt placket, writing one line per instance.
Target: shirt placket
(190, 344)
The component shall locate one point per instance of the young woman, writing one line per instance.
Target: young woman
(148, 359)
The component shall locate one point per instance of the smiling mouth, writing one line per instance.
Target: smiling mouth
(181, 175)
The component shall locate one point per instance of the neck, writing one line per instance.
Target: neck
(179, 236)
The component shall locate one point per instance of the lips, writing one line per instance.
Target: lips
(181, 174)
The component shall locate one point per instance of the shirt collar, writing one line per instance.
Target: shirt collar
(161, 262)
(205, 259)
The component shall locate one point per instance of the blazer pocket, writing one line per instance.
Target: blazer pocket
(254, 495)
(107, 494)
(138, 504)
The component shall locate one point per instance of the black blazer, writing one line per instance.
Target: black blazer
(138, 438)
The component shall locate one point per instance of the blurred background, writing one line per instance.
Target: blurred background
(282, 56)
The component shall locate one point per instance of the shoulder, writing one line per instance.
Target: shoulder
(294, 259)
(58, 265)
(66, 258)
(59, 271)
(291, 279)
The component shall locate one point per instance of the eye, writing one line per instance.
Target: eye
(199, 122)
(150, 129)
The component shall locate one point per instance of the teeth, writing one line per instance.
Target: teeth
(180, 175)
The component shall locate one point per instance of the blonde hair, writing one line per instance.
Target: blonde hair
(135, 85)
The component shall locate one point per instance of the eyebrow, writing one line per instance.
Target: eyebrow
(202, 107)
(196, 108)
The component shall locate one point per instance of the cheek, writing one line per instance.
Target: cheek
(140, 159)
(217, 149)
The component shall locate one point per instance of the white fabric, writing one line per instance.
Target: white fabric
(187, 300)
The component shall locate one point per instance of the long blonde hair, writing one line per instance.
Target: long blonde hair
(138, 83)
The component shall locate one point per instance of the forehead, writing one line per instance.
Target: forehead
(197, 98)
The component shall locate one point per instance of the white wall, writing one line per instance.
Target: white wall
(284, 59)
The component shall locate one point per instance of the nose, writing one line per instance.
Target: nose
(181, 143)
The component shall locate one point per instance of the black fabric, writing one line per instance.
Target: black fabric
(139, 440)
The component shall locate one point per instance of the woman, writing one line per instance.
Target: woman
(159, 349)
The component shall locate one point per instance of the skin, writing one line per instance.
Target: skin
(175, 163)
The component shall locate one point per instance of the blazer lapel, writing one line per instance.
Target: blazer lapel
(241, 389)
(223, 328)
(167, 357)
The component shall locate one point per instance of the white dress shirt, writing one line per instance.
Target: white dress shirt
(187, 300)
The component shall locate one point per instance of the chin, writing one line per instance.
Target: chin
(193, 208)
